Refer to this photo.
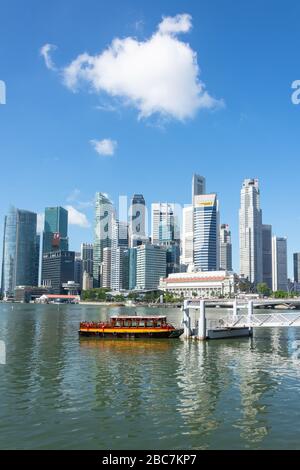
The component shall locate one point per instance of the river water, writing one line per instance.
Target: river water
(61, 392)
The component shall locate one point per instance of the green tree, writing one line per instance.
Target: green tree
(263, 289)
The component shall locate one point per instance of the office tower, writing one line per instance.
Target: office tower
(106, 268)
(279, 263)
(19, 261)
(118, 264)
(102, 233)
(137, 220)
(87, 281)
(86, 251)
(55, 235)
(37, 259)
(78, 269)
(118, 246)
(225, 248)
(296, 259)
(132, 260)
(187, 236)
(57, 269)
(267, 255)
(172, 248)
(198, 186)
(165, 225)
(151, 266)
(250, 229)
(206, 232)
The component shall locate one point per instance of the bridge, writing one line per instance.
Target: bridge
(233, 324)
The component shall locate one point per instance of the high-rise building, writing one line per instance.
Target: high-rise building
(86, 250)
(87, 281)
(296, 259)
(251, 232)
(78, 270)
(151, 266)
(118, 265)
(57, 269)
(187, 239)
(20, 251)
(132, 266)
(198, 186)
(137, 220)
(118, 246)
(103, 233)
(279, 263)
(55, 235)
(106, 268)
(164, 223)
(225, 248)
(206, 233)
(267, 255)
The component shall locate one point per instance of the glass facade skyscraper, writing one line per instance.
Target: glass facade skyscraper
(102, 233)
(20, 256)
(251, 264)
(206, 232)
(55, 230)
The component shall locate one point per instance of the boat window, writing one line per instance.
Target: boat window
(133, 323)
(127, 323)
(149, 323)
(142, 323)
(118, 323)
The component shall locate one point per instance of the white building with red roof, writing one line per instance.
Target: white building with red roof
(208, 284)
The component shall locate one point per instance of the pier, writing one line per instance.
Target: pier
(233, 324)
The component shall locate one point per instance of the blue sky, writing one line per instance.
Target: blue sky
(248, 55)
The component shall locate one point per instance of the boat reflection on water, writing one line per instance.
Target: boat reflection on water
(127, 345)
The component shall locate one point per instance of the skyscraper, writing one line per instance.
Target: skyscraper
(151, 266)
(57, 269)
(118, 247)
(102, 234)
(106, 268)
(279, 263)
(164, 222)
(250, 232)
(55, 235)
(78, 271)
(86, 250)
(206, 232)
(20, 251)
(187, 240)
(137, 220)
(198, 186)
(225, 248)
(267, 255)
(296, 259)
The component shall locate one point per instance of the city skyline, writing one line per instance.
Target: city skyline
(252, 135)
(125, 208)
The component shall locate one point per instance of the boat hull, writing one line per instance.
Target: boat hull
(167, 334)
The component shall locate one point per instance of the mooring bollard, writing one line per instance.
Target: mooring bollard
(202, 321)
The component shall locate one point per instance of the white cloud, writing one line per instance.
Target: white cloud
(40, 223)
(158, 76)
(45, 52)
(105, 147)
(76, 217)
(175, 24)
